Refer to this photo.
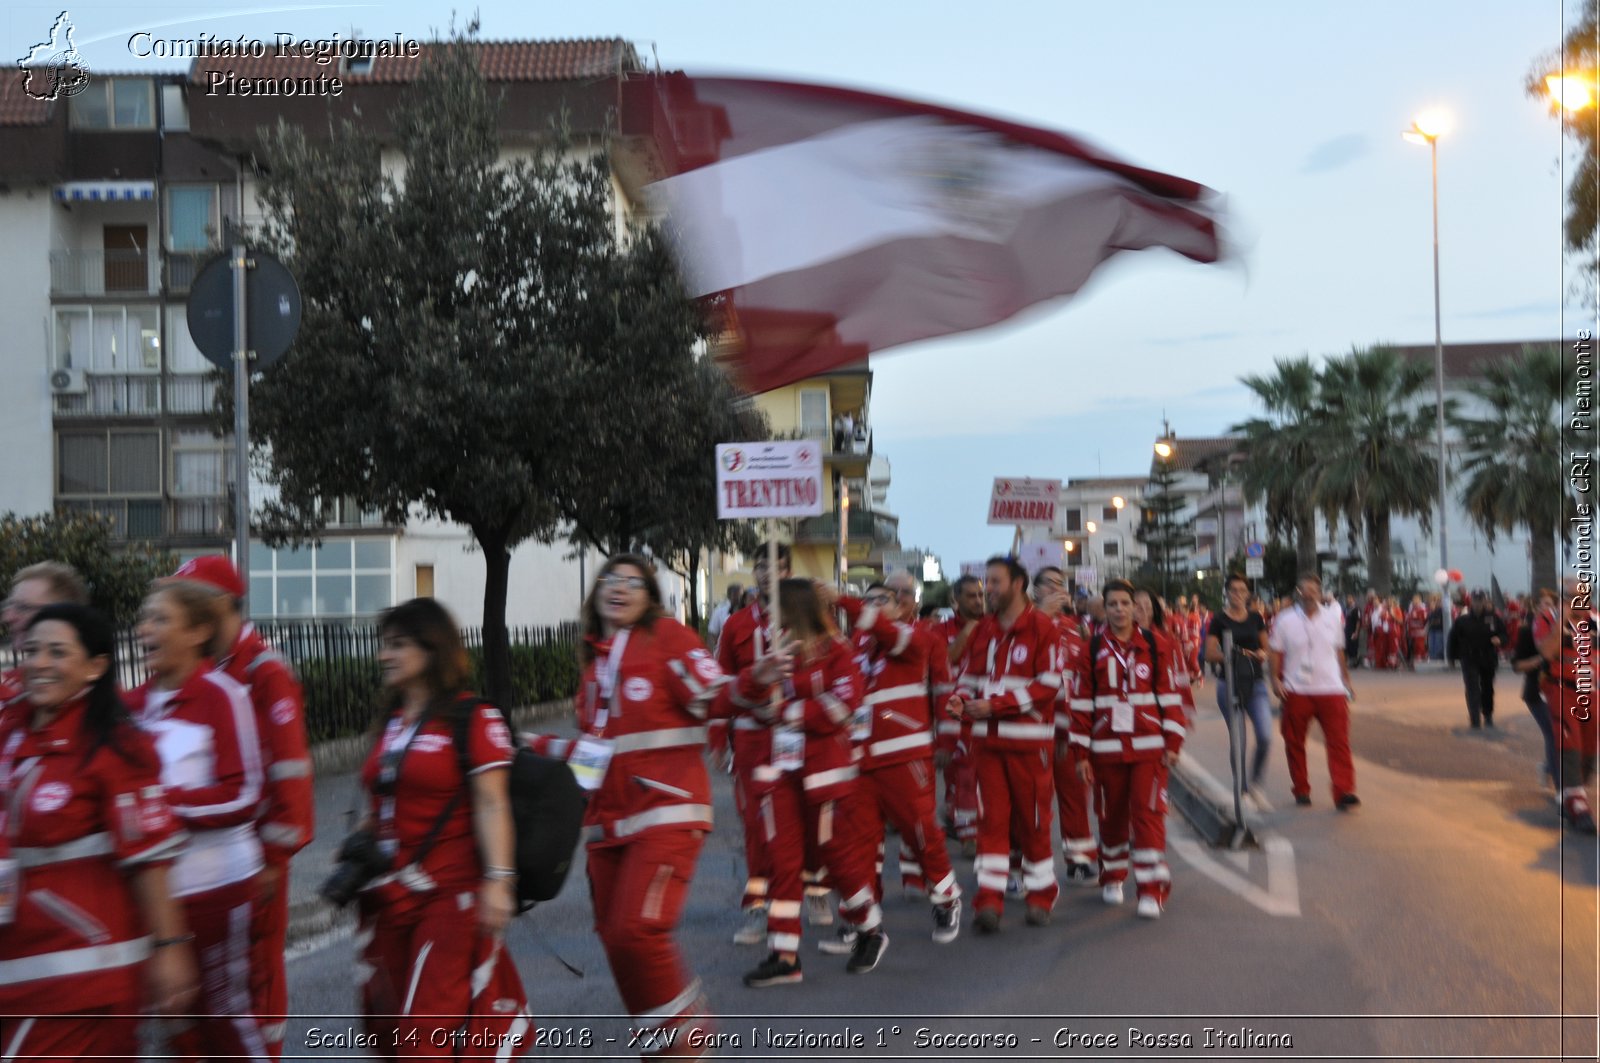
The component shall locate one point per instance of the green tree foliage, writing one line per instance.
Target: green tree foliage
(118, 574)
(1513, 456)
(1165, 533)
(1281, 452)
(1579, 56)
(462, 320)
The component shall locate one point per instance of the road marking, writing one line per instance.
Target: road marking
(1239, 859)
(1282, 895)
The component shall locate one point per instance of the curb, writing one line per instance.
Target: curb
(1208, 808)
(313, 916)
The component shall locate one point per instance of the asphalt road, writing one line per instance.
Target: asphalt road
(1449, 918)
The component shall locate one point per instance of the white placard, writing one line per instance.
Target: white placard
(1254, 567)
(776, 479)
(902, 561)
(1024, 502)
(1086, 577)
(1035, 556)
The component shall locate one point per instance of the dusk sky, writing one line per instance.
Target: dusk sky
(1292, 112)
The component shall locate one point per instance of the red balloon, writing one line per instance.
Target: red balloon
(1455, 575)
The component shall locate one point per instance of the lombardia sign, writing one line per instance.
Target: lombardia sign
(779, 479)
(1023, 501)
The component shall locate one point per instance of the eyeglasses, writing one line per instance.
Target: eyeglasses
(877, 599)
(633, 583)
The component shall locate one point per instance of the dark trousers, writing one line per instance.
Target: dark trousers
(1480, 691)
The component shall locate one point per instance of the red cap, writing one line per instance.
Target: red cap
(213, 570)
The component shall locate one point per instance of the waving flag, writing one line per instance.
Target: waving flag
(836, 223)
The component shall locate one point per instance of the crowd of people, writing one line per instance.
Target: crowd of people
(145, 834)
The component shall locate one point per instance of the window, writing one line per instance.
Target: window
(1074, 519)
(201, 465)
(115, 103)
(814, 413)
(108, 339)
(424, 581)
(174, 108)
(1112, 550)
(1109, 513)
(191, 217)
(108, 462)
(334, 579)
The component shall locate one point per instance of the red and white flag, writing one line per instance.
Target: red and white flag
(837, 223)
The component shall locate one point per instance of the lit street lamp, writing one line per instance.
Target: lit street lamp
(1426, 129)
(1570, 93)
(1166, 447)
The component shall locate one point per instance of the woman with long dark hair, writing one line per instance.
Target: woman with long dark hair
(647, 686)
(433, 927)
(86, 841)
(801, 788)
(205, 733)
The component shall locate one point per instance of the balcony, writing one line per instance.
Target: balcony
(191, 393)
(863, 526)
(88, 273)
(113, 395)
(131, 518)
(183, 267)
(211, 517)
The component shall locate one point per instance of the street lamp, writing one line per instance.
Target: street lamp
(1166, 447)
(1570, 93)
(1426, 129)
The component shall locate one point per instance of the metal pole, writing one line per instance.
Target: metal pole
(241, 422)
(1438, 386)
(1236, 746)
(843, 509)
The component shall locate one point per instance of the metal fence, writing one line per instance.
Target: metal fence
(338, 667)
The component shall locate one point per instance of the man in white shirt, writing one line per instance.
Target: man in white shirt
(725, 608)
(1310, 676)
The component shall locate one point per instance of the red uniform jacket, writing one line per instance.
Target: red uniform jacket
(78, 824)
(1019, 672)
(1136, 713)
(287, 821)
(906, 666)
(650, 704)
(1074, 651)
(10, 684)
(743, 640)
(819, 699)
(949, 732)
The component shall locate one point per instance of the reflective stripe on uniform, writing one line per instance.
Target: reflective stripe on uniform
(895, 745)
(654, 817)
(827, 778)
(74, 961)
(905, 690)
(78, 849)
(1006, 729)
(289, 769)
(658, 1017)
(281, 834)
(665, 738)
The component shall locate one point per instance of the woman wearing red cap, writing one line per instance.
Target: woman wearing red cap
(205, 733)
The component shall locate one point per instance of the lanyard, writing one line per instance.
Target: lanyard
(607, 674)
(395, 735)
(1125, 662)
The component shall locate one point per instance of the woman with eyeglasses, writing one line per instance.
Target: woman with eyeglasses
(439, 982)
(205, 733)
(88, 927)
(647, 687)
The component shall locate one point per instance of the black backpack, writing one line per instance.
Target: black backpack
(547, 807)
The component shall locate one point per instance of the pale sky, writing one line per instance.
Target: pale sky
(1292, 111)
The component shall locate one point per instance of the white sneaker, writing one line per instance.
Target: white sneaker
(753, 931)
(1149, 908)
(1014, 884)
(1111, 893)
(817, 911)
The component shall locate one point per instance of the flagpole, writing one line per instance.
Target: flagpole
(772, 582)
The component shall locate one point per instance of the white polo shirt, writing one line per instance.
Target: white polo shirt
(1310, 646)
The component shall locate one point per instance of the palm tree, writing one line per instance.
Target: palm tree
(1375, 455)
(1512, 455)
(1281, 453)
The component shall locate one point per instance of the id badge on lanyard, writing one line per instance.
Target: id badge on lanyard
(1122, 708)
(861, 723)
(396, 742)
(589, 760)
(788, 748)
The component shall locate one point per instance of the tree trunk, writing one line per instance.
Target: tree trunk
(693, 589)
(1542, 562)
(496, 641)
(1305, 540)
(1380, 559)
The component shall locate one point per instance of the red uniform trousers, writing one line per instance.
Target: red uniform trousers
(1016, 806)
(430, 973)
(106, 1035)
(1577, 744)
(1332, 711)
(638, 887)
(269, 989)
(750, 749)
(1073, 800)
(219, 919)
(961, 793)
(790, 820)
(902, 794)
(1134, 792)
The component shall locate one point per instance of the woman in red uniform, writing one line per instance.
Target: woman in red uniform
(803, 785)
(432, 929)
(205, 734)
(86, 839)
(1567, 643)
(1149, 612)
(647, 685)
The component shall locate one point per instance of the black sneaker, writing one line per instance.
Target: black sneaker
(1080, 873)
(947, 922)
(1582, 821)
(1302, 799)
(774, 970)
(843, 942)
(1347, 802)
(869, 949)
(987, 921)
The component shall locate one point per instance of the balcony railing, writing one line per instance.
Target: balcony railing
(113, 395)
(863, 526)
(131, 518)
(104, 273)
(191, 393)
(183, 267)
(202, 516)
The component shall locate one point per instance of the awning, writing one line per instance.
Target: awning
(105, 191)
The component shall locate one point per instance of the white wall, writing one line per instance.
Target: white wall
(25, 219)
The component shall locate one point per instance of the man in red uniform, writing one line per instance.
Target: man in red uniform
(1127, 730)
(287, 820)
(953, 753)
(1569, 689)
(1072, 792)
(1010, 676)
(33, 588)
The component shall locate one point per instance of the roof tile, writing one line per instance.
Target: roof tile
(574, 60)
